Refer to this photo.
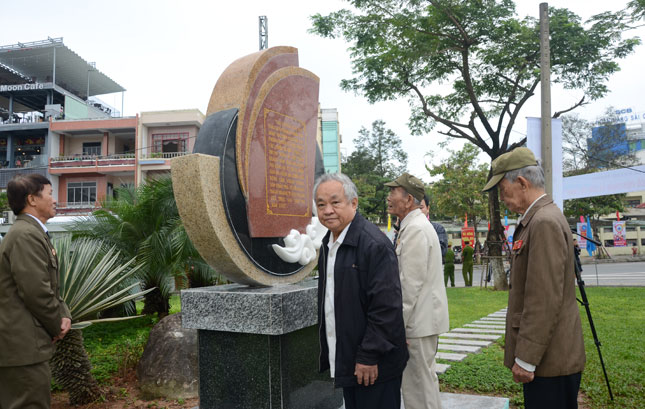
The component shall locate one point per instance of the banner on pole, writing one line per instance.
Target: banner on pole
(620, 234)
(467, 235)
(582, 229)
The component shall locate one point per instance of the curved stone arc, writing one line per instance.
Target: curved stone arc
(217, 138)
(197, 187)
(238, 85)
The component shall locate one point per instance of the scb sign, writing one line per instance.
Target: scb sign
(623, 111)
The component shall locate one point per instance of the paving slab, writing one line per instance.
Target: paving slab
(463, 335)
(493, 319)
(462, 401)
(495, 323)
(479, 330)
(441, 368)
(464, 342)
(449, 356)
(486, 326)
(459, 348)
(497, 315)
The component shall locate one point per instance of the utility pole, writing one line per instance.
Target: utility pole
(264, 32)
(545, 81)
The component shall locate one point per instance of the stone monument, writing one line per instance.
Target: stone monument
(245, 198)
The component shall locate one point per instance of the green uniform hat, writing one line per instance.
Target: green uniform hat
(411, 184)
(516, 159)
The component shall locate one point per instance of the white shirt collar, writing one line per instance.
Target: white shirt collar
(519, 219)
(341, 236)
(38, 220)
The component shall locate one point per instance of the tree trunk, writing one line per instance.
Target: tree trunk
(71, 367)
(495, 239)
(155, 302)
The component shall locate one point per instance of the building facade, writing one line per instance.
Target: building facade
(52, 123)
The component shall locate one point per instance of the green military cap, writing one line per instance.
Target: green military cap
(411, 184)
(518, 158)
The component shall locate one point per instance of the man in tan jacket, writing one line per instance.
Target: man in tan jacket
(425, 305)
(544, 346)
(32, 314)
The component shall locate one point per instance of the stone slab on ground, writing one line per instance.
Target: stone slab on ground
(441, 368)
(486, 326)
(493, 319)
(456, 341)
(486, 322)
(479, 330)
(459, 348)
(464, 335)
(497, 315)
(448, 356)
(462, 401)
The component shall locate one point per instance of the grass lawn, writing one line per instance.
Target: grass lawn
(619, 317)
(618, 313)
(114, 346)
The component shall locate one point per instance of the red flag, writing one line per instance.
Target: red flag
(489, 226)
(582, 219)
(617, 216)
(466, 221)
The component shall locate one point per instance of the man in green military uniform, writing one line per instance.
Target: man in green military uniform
(33, 316)
(449, 268)
(467, 266)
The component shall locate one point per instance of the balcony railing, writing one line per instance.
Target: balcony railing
(7, 173)
(162, 155)
(75, 161)
(72, 208)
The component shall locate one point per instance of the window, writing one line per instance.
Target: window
(91, 148)
(81, 192)
(169, 142)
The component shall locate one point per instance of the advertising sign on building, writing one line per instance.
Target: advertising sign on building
(467, 235)
(620, 234)
(582, 230)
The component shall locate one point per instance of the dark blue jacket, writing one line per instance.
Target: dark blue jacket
(367, 305)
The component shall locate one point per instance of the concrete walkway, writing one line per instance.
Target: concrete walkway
(470, 339)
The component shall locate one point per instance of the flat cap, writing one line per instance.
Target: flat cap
(412, 185)
(518, 158)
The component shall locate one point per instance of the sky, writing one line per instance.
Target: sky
(169, 55)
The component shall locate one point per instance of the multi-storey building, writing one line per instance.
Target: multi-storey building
(329, 139)
(52, 123)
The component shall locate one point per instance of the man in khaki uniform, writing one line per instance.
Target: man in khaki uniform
(32, 314)
(425, 305)
(544, 345)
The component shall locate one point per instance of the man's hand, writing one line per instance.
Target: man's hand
(366, 374)
(521, 375)
(65, 326)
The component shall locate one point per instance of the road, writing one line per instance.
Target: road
(609, 274)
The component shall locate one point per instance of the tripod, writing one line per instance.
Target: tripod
(585, 302)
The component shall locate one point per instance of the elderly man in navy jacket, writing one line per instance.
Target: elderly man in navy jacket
(362, 336)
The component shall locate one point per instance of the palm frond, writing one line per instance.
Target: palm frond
(93, 278)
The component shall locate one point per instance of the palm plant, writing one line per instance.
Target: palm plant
(145, 223)
(92, 279)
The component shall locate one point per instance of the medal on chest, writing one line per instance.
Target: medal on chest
(53, 252)
(517, 245)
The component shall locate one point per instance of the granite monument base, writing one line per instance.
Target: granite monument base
(258, 347)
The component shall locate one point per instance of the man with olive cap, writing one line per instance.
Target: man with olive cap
(544, 346)
(425, 305)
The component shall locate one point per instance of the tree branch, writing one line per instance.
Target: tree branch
(516, 111)
(576, 105)
(453, 126)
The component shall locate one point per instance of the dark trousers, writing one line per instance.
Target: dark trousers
(382, 395)
(25, 387)
(558, 392)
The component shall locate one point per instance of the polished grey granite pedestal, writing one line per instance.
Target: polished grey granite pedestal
(258, 347)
